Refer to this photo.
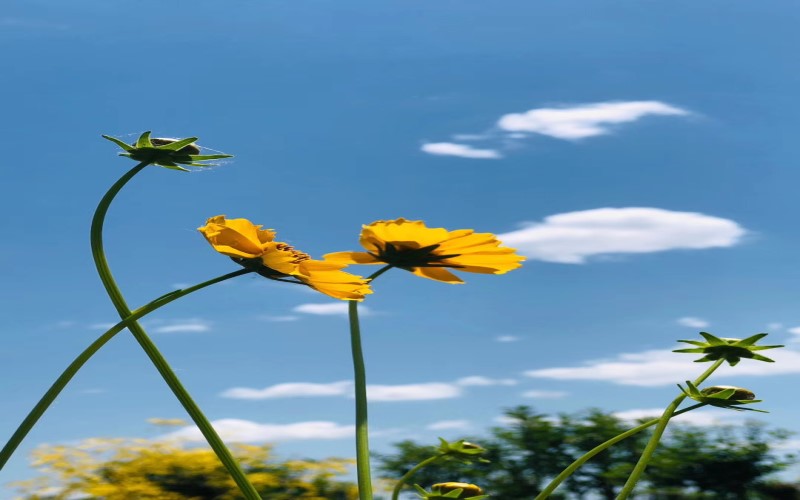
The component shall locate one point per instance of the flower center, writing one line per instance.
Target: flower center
(399, 256)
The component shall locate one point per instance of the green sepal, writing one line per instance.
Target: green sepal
(144, 141)
(119, 143)
(174, 146)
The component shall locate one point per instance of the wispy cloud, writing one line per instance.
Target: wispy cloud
(573, 237)
(449, 425)
(401, 392)
(585, 120)
(328, 309)
(184, 326)
(279, 319)
(477, 380)
(570, 122)
(413, 392)
(692, 322)
(462, 150)
(246, 431)
(507, 338)
(663, 367)
(30, 24)
(544, 394)
(705, 417)
(290, 390)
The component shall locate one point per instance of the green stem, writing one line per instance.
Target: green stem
(150, 348)
(597, 449)
(362, 428)
(63, 379)
(641, 465)
(360, 379)
(403, 480)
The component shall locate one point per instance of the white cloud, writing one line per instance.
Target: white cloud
(544, 394)
(507, 338)
(402, 392)
(413, 392)
(505, 420)
(775, 326)
(663, 367)
(187, 326)
(703, 417)
(449, 425)
(795, 330)
(470, 137)
(246, 431)
(462, 150)
(692, 322)
(327, 309)
(279, 319)
(586, 120)
(101, 326)
(290, 390)
(477, 380)
(572, 237)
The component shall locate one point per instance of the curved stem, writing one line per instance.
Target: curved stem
(52, 393)
(597, 449)
(360, 383)
(641, 465)
(403, 480)
(150, 348)
(362, 428)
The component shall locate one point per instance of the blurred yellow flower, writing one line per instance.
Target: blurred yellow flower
(252, 247)
(427, 251)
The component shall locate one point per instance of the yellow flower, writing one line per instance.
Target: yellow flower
(255, 248)
(427, 251)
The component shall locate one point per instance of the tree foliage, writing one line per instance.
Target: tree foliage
(120, 469)
(692, 463)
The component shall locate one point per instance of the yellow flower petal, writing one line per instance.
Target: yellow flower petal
(327, 278)
(426, 251)
(351, 258)
(438, 274)
(236, 237)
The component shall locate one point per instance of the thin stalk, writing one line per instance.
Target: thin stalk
(641, 465)
(52, 393)
(150, 348)
(403, 480)
(597, 449)
(360, 380)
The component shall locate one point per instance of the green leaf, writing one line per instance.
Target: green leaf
(119, 143)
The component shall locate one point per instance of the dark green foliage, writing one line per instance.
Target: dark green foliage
(727, 463)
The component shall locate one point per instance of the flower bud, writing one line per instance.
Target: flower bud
(468, 490)
(189, 149)
(739, 393)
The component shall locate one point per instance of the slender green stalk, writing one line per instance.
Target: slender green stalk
(150, 348)
(641, 465)
(362, 427)
(597, 449)
(360, 379)
(52, 393)
(403, 480)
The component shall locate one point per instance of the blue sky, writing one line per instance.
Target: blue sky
(642, 154)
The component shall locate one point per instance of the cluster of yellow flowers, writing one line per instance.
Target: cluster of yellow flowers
(401, 243)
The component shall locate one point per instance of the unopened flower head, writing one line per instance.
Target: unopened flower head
(166, 152)
(255, 248)
(449, 490)
(722, 396)
(428, 252)
(462, 450)
(731, 350)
